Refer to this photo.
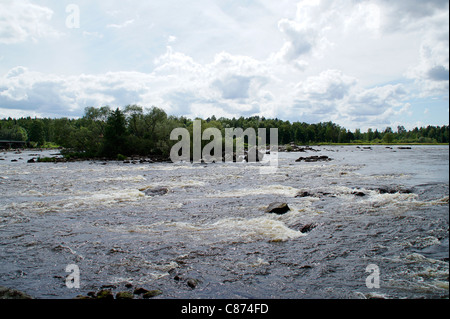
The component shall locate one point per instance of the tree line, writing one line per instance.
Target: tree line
(134, 130)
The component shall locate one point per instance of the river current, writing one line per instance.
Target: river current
(386, 207)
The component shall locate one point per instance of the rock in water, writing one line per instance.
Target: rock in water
(140, 291)
(313, 159)
(7, 293)
(124, 295)
(359, 194)
(303, 194)
(157, 191)
(278, 208)
(105, 294)
(152, 293)
(308, 227)
(191, 282)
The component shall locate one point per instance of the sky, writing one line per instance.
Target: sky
(358, 63)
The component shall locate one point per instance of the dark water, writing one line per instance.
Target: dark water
(211, 226)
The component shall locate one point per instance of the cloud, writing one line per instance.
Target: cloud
(300, 39)
(375, 101)
(22, 21)
(122, 25)
(329, 85)
(15, 72)
(431, 74)
(428, 21)
(94, 34)
(305, 34)
(410, 14)
(228, 85)
(54, 95)
(333, 95)
(171, 39)
(438, 73)
(319, 24)
(233, 87)
(358, 63)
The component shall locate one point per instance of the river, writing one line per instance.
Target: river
(382, 207)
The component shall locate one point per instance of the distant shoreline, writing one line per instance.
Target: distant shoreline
(298, 145)
(141, 159)
(381, 144)
(37, 149)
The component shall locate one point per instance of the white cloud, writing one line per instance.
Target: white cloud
(171, 39)
(359, 64)
(122, 25)
(335, 96)
(21, 21)
(16, 113)
(233, 84)
(330, 85)
(94, 34)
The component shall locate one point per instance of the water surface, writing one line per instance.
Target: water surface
(212, 226)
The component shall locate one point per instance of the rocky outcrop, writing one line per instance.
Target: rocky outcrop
(123, 295)
(393, 190)
(292, 147)
(7, 293)
(312, 159)
(318, 194)
(107, 293)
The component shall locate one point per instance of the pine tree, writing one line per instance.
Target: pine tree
(115, 135)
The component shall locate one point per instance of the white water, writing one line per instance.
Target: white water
(212, 226)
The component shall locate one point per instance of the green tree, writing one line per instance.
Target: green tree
(370, 134)
(36, 133)
(135, 118)
(154, 117)
(15, 133)
(115, 135)
(388, 137)
(63, 129)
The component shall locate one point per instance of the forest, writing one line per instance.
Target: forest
(134, 130)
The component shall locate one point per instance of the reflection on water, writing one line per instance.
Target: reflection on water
(387, 207)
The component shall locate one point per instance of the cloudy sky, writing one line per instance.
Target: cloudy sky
(358, 63)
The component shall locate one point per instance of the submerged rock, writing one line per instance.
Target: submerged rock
(278, 208)
(152, 293)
